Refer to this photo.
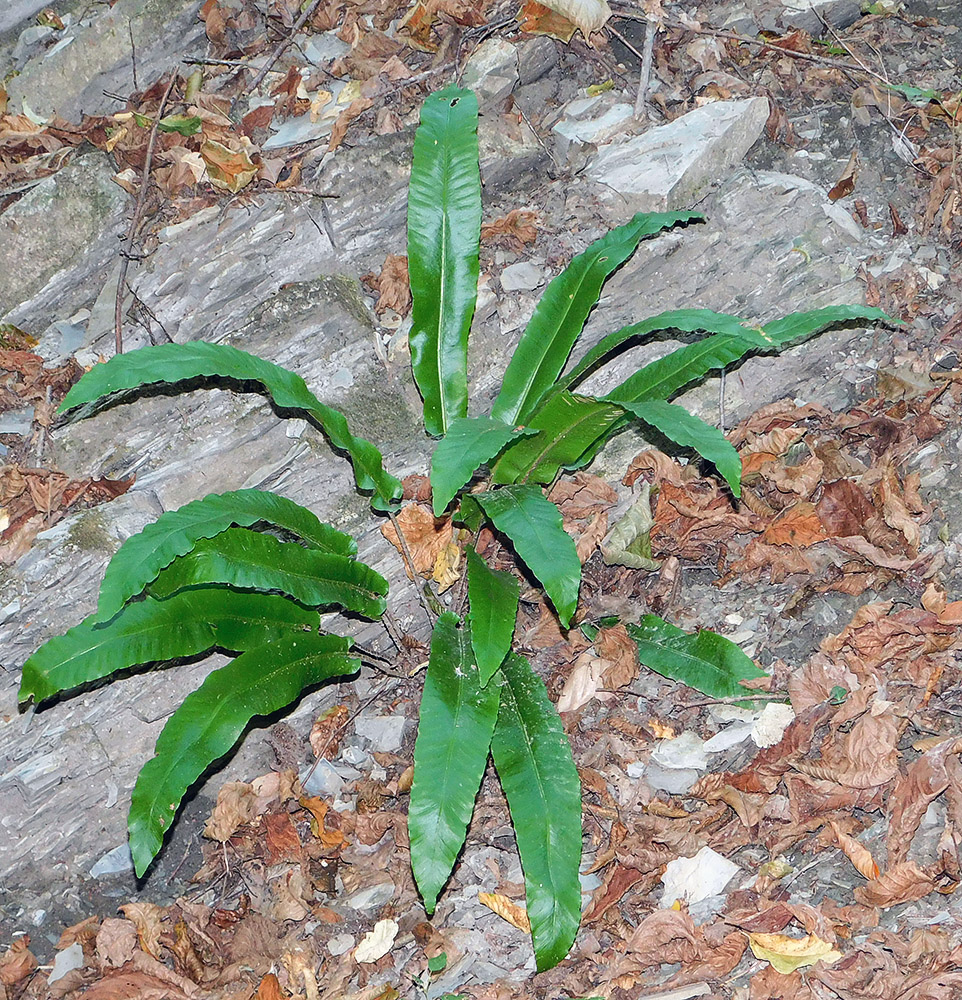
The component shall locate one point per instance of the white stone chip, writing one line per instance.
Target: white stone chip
(66, 961)
(771, 724)
(697, 878)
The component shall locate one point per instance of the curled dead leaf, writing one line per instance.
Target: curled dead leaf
(516, 915)
(786, 954)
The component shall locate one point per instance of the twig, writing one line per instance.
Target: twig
(644, 57)
(238, 63)
(761, 43)
(732, 701)
(411, 568)
(135, 221)
(278, 51)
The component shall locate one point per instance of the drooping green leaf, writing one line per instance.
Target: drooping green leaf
(560, 316)
(172, 363)
(683, 320)
(188, 623)
(444, 227)
(566, 425)
(144, 555)
(684, 428)
(454, 734)
(533, 524)
(703, 660)
(493, 599)
(255, 561)
(534, 763)
(469, 443)
(802, 325)
(260, 681)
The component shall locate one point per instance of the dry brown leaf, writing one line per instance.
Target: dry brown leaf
(516, 915)
(17, 962)
(537, 19)
(228, 169)
(845, 185)
(663, 936)
(146, 917)
(902, 883)
(236, 805)
(318, 808)
(620, 655)
(582, 683)
(797, 525)
(132, 985)
(589, 539)
(346, 118)
(392, 285)
(292, 894)
(116, 942)
(269, 988)
(426, 535)
(281, 839)
(767, 447)
(518, 227)
(327, 730)
(858, 854)
(447, 567)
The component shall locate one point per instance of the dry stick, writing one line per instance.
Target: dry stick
(762, 43)
(238, 63)
(135, 221)
(278, 51)
(645, 56)
(411, 568)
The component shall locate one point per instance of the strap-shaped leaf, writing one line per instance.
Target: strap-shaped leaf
(172, 363)
(566, 424)
(144, 555)
(533, 759)
(444, 227)
(454, 734)
(801, 325)
(560, 316)
(705, 661)
(534, 527)
(260, 681)
(682, 427)
(254, 561)
(493, 598)
(683, 320)
(469, 443)
(191, 622)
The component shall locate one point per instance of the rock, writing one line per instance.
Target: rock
(815, 16)
(15, 12)
(383, 732)
(597, 129)
(492, 71)
(373, 897)
(54, 222)
(673, 166)
(66, 960)
(117, 860)
(340, 943)
(525, 276)
(536, 56)
(71, 80)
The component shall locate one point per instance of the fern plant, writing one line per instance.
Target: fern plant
(203, 577)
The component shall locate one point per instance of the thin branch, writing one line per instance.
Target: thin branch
(135, 221)
(279, 50)
(237, 63)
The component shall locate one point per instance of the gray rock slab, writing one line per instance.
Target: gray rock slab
(818, 16)
(675, 165)
(66, 215)
(597, 128)
(100, 56)
(492, 71)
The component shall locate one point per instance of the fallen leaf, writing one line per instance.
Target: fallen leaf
(116, 942)
(392, 285)
(327, 730)
(786, 954)
(902, 883)
(537, 19)
(516, 915)
(845, 185)
(588, 15)
(447, 567)
(426, 535)
(17, 962)
(236, 805)
(858, 854)
(146, 917)
(376, 943)
(281, 839)
(227, 169)
(517, 228)
(798, 525)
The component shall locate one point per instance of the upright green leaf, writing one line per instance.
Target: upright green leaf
(251, 560)
(560, 316)
(191, 622)
(172, 363)
(682, 427)
(493, 599)
(533, 759)
(705, 661)
(801, 325)
(566, 425)
(454, 734)
(260, 681)
(533, 524)
(468, 444)
(144, 555)
(444, 227)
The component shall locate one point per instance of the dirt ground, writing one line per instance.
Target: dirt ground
(838, 572)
